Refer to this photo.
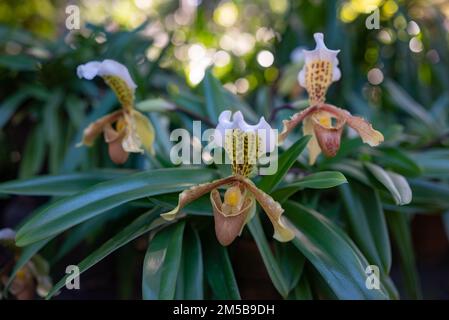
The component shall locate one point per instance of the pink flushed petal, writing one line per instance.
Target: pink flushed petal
(227, 228)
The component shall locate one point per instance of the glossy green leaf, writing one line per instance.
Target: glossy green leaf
(61, 185)
(400, 230)
(397, 160)
(189, 284)
(162, 262)
(318, 180)
(396, 184)
(367, 223)
(138, 227)
(95, 200)
(302, 290)
(291, 262)
(272, 266)
(332, 253)
(33, 154)
(430, 194)
(218, 268)
(200, 206)
(284, 163)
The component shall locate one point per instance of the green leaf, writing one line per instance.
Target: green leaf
(302, 291)
(318, 180)
(81, 232)
(10, 105)
(273, 269)
(284, 163)
(432, 195)
(138, 227)
(189, 284)
(367, 223)
(95, 200)
(200, 206)
(216, 101)
(218, 268)
(34, 153)
(19, 62)
(404, 101)
(398, 161)
(434, 163)
(155, 105)
(332, 253)
(291, 262)
(396, 184)
(61, 185)
(161, 264)
(400, 230)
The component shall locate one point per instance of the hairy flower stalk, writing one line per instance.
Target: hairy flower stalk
(244, 144)
(126, 130)
(325, 122)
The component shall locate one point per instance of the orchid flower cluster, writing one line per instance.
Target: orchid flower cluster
(244, 144)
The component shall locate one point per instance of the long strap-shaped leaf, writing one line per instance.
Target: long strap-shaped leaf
(60, 185)
(332, 253)
(218, 268)
(85, 205)
(273, 269)
(367, 222)
(139, 226)
(190, 281)
(162, 262)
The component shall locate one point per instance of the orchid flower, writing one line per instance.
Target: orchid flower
(244, 144)
(325, 122)
(126, 130)
(33, 277)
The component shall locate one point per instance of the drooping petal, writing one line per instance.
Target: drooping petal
(273, 210)
(366, 131)
(194, 193)
(290, 124)
(114, 140)
(145, 130)
(227, 227)
(96, 128)
(115, 74)
(312, 146)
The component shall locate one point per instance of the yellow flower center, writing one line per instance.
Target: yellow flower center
(325, 121)
(233, 196)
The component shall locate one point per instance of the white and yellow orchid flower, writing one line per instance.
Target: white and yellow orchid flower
(244, 144)
(325, 122)
(126, 130)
